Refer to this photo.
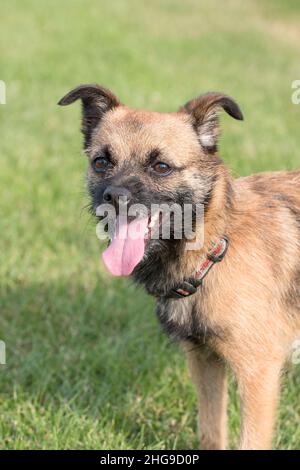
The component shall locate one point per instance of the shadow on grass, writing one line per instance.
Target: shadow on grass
(95, 356)
(99, 351)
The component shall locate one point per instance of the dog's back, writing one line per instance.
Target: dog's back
(282, 186)
(268, 209)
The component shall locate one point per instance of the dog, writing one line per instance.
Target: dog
(236, 299)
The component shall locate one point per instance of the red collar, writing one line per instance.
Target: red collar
(189, 287)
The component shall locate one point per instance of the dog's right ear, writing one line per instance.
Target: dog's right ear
(96, 101)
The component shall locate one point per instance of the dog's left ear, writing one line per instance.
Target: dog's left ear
(204, 112)
(96, 101)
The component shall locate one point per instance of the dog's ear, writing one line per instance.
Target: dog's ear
(204, 112)
(96, 101)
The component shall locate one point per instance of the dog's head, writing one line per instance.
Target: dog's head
(146, 158)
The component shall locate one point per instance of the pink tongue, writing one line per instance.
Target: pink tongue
(127, 247)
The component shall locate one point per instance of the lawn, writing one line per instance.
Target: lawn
(87, 364)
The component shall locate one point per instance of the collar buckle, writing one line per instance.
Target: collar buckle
(218, 252)
(185, 289)
(189, 287)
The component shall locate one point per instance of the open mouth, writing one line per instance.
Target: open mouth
(128, 244)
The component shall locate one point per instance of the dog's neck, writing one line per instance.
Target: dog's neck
(170, 262)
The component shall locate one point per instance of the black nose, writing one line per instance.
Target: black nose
(117, 195)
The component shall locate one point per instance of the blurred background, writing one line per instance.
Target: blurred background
(87, 364)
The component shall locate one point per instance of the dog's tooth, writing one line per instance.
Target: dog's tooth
(154, 219)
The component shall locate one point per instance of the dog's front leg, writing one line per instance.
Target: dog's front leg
(259, 390)
(209, 376)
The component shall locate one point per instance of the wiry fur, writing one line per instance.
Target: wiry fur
(247, 313)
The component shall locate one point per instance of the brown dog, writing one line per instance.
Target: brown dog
(246, 310)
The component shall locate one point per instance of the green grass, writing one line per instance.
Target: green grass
(87, 363)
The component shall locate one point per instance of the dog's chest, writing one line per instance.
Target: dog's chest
(184, 320)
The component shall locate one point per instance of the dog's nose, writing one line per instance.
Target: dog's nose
(117, 195)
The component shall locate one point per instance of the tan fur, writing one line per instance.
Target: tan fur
(244, 297)
(251, 300)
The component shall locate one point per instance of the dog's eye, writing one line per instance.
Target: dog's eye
(100, 164)
(162, 168)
